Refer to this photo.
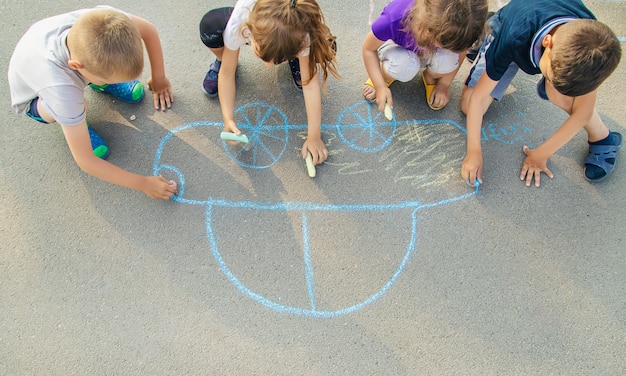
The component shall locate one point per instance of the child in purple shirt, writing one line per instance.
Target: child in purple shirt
(408, 36)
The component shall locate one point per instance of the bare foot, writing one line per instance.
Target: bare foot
(369, 92)
(441, 95)
(438, 93)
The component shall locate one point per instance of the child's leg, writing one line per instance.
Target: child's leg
(596, 129)
(466, 95)
(438, 76)
(603, 144)
(212, 28)
(478, 69)
(603, 148)
(38, 112)
(397, 63)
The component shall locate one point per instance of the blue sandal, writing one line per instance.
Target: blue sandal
(602, 158)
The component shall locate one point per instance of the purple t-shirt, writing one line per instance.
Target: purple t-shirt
(390, 24)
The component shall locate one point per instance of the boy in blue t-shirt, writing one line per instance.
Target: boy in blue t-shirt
(563, 41)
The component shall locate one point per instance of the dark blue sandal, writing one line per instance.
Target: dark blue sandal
(602, 157)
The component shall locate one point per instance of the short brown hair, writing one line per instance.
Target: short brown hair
(583, 55)
(107, 43)
(452, 24)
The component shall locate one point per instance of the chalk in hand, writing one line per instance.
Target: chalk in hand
(310, 167)
(388, 112)
(229, 136)
(476, 183)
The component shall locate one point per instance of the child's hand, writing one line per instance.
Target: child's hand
(161, 93)
(383, 96)
(533, 165)
(158, 187)
(231, 126)
(316, 147)
(472, 168)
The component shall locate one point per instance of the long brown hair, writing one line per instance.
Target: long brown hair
(281, 29)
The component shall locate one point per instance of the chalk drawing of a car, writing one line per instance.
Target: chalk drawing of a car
(302, 253)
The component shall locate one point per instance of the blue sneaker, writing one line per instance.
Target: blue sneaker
(209, 85)
(100, 148)
(129, 92)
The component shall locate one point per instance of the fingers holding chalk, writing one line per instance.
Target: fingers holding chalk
(388, 112)
(310, 167)
(228, 136)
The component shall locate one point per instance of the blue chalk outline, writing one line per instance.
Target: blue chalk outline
(370, 126)
(257, 130)
(307, 207)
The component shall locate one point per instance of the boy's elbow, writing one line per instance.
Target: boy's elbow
(87, 164)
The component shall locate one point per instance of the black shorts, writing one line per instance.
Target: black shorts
(212, 26)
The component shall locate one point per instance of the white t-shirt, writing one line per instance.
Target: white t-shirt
(234, 38)
(38, 68)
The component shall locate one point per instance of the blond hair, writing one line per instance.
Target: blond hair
(108, 44)
(451, 24)
(280, 32)
(583, 55)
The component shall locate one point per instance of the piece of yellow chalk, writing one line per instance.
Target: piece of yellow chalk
(310, 167)
(388, 112)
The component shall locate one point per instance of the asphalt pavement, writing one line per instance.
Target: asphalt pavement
(385, 263)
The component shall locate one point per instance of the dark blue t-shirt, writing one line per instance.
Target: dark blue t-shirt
(520, 21)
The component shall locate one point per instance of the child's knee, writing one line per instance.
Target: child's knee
(37, 112)
(443, 61)
(399, 63)
(465, 97)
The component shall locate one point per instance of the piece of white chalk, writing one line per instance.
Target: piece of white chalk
(310, 167)
(388, 112)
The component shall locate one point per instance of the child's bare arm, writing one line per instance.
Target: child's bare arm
(372, 66)
(313, 106)
(227, 89)
(581, 111)
(478, 103)
(77, 137)
(158, 82)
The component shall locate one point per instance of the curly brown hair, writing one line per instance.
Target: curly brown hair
(451, 24)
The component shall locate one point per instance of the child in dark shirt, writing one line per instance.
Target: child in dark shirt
(562, 40)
